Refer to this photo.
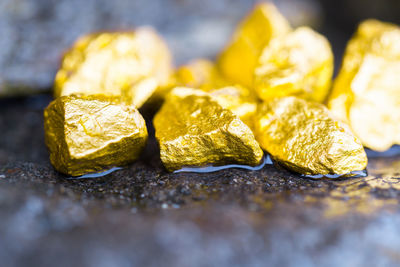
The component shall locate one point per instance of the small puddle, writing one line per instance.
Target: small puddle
(95, 175)
(353, 174)
(266, 161)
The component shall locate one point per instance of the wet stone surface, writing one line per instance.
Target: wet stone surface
(145, 216)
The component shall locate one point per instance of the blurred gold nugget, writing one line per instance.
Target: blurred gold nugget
(297, 64)
(128, 64)
(239, 100)
(239, 59)
(203, 74)
(200, 73)
(366, 93)
(303, 136)
(193, 129)
(92, 133)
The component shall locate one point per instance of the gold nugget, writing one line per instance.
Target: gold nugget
(127, 64)
(297, 64)
(366, 93)
(304, 137)
(239, 100)
(200, 73)
(92, 133)
(204, 75)
(240, 57)
(193, 129)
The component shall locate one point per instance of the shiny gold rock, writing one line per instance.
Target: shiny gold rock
(92, 133)
(193, 129)
(303, 136)
(240, 57)
(201, 74)
(127, 64)
(366, 93)
(204, 75)
(297, 64)
(239, 100)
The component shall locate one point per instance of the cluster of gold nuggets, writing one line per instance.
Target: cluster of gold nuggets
(266, 91)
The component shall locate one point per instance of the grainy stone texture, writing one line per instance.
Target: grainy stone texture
(144, 216)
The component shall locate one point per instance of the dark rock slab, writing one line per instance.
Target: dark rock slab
(144, 216)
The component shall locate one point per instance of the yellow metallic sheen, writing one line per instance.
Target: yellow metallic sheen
(200, 73)
(193, 129)
(366, 93)
(92, 133)
(203, 74)
(238, 60)
(297, 64)
(128, 64)
(304, 137)
(239, 100)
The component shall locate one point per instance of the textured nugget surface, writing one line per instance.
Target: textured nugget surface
(128, 64)
(297, 64)
(366, 93)
(305, 138)
(89, 134)
(238, 60)
(193, 129)
(204, 75)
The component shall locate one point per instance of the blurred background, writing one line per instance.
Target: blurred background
(34, 33)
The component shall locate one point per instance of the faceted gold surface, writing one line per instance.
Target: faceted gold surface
(366, 93)
(127, 64)
(200, 73)
(239, 58)
(203, 74)
(297, 64)
(239, 100)
(304, 137)
(92, 133)
(193, 129)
